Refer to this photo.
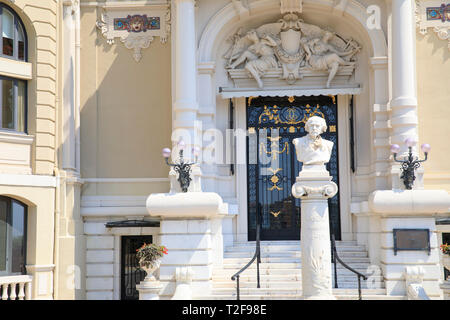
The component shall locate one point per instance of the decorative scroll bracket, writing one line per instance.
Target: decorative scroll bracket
(135, 28)
(434, 14)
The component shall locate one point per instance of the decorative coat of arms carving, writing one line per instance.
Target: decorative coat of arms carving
(291, 48)
(135, 29)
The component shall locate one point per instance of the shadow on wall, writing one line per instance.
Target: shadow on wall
(438, 44)
(126, 109)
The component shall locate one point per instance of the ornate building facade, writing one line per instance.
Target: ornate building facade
(92, 91)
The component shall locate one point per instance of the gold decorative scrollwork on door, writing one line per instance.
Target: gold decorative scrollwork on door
(275, 214)
(275, 179)
(274, 146)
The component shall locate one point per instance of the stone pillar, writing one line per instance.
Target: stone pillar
(314, 187)
(404, 120)
(68, 112)
(190, 229)
(409, 209)
(69, 256)
(185, 105)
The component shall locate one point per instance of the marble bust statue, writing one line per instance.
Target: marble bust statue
(312, 149)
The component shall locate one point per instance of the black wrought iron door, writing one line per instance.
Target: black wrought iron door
(131, 274)
(272, 166)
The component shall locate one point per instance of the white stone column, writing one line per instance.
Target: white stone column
(185, 105)
(68, 111)
(404, 121)
(314, 188)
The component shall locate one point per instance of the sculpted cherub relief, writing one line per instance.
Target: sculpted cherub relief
(259, 56)
(323, 56)
(292, 47)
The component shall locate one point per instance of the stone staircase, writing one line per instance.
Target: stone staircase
(280, 273)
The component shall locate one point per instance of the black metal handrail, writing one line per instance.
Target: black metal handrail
(256, 256)
(334, 257)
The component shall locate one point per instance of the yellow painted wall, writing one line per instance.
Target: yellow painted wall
(125, 108)
(40, 19)
(433, 91)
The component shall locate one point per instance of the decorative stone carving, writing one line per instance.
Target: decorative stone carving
(291, 48)
(137, 43)
(414, 283)
(291, 6)
(327, 191)
(433, 14)
(241, 7)
(136, 29)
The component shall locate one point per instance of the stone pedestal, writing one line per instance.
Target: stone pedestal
(409, 209)
(149, 289)
(184, 284)
(191, 228)
(445, 286)
(314, 187)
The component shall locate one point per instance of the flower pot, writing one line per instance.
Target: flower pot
(446, 261)
(151, 269)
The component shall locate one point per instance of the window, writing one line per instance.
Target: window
(13, 99)
(12, 91)
(13, 230)
(13, 44)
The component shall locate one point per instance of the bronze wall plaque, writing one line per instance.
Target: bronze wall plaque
(412, 239)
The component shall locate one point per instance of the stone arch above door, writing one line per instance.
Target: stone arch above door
(221, 24)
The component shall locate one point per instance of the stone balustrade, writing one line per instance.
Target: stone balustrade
(16, 287)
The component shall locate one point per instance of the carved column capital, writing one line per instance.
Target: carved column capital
(73, 4)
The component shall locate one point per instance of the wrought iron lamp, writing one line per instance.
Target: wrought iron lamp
(182, 167)
(410, 163)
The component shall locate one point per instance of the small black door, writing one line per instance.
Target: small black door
(272, 166)
(130, 273)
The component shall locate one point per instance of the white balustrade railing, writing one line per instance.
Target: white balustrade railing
(16, 287)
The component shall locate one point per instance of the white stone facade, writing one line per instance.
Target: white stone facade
(103, 100)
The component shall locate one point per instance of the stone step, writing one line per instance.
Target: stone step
(288, 254)
(293, 284)
(278, 248)
(288, 265)
(279, 271)
(348, 260)
(353, 296)
(286, 278)
(289, 242)
(289, 291)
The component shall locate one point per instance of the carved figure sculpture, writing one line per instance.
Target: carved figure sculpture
(312, 149)
(260, 56)
(323, 56)
(295, 46)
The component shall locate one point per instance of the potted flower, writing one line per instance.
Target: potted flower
(445, 248)
(149, 256)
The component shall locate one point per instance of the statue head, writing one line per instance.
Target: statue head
(315, 126)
